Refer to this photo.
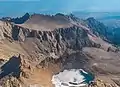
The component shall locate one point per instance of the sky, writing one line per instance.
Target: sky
(20, 7)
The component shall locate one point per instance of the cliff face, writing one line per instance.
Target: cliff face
(48, 51)
(54, 43)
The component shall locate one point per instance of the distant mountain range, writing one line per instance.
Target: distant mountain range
(105, 17)
(17, 20)
(109, 19)
(102, 24)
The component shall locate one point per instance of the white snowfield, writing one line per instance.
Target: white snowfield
(70, 78)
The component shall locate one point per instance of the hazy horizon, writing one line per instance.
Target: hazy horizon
(15, 8)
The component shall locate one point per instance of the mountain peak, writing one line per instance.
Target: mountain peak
(91, 18)
(39, 21)
(18, 20)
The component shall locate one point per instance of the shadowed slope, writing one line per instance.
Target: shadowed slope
(11, 67)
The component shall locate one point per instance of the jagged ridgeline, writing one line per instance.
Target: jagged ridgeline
(35, 47)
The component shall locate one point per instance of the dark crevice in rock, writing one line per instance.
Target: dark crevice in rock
(15, 32)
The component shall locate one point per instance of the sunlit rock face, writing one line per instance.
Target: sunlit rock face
(72, 78)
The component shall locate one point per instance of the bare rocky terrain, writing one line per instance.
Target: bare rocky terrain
(33, 51)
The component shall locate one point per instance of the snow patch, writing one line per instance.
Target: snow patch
(73, 77)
